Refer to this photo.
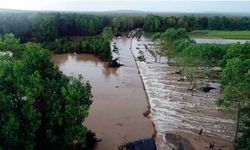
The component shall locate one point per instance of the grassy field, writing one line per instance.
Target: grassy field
(221, 34)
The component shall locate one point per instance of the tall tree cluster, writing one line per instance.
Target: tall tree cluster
(98, 45)
(40, 108)
(48, 26)
(155, 23)
(236, 89)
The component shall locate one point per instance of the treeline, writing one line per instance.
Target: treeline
(154, 23)
(196, 62)
(98, 45)
(40, 107)
(49, 26)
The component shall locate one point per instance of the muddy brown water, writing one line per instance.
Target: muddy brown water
(119, 100)
(116, 114)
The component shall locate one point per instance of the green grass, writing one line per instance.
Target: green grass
(221, 34)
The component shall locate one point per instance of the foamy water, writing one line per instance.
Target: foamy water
(172, 106)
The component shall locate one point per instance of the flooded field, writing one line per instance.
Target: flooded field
(119, 100)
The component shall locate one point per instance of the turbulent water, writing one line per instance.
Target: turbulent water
(172, 106)
(119, 97)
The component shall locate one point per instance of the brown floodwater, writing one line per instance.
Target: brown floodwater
(116, 114)
(119, 100)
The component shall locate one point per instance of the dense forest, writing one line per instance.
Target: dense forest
(158, 23)
(196, 62)
(49, 26)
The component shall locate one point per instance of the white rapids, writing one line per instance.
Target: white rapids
(172, 106)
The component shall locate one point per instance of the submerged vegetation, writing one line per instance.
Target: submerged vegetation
(99, 45)
(234, 59)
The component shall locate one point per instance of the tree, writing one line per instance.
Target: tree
(192, 23)
(172, 34)
(182, 22)
(191, 60)
(8, 43)
(169, 41)
(152, 23)
(215, 23)
(171, 22)
(202, 22)
(236, 87)
(116, 24)
(48, 30)
(40, 108)
(107, 33)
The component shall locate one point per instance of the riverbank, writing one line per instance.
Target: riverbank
(220, 34)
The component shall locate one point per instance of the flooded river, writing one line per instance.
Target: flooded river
(119, 100)
(175, 110)
(116, 114)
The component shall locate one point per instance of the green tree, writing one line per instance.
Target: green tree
(107, 33)
(116, 24)
(202, 22)
(48, 29)
(152, 23)
(192, 23)
(236, 87)
(172, 34)
(215, 23)
(40, 108)
(191, 60)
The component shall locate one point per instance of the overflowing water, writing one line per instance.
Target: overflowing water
(173, 108)
(119, 97)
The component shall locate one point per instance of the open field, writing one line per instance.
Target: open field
(221, 34)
